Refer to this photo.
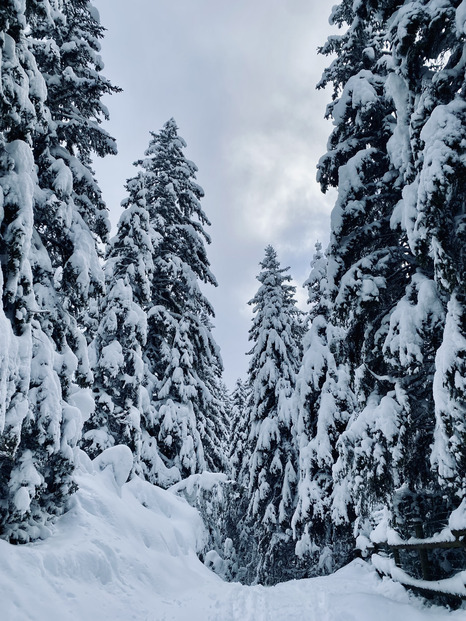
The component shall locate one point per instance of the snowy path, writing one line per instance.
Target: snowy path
(352, 594)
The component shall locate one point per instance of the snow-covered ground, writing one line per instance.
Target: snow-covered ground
(126, 551)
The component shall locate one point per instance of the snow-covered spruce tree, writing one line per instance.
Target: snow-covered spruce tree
(72, 219)
(188, 422)
(121, 381)
(38, 428)
(398, 290)
(218, 423)
(313, 366)
(428, 345)
(270, 457)
(368, 262)
(70, 216)
(18, 117)
(316, 284)
(238, 465)
(323, 401)
(239, 429)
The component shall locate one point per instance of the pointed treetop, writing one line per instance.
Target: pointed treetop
(271, 276)
(168, 139)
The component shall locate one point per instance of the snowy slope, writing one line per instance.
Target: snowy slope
(126, 551)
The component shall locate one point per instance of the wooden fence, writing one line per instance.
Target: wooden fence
(453, 589)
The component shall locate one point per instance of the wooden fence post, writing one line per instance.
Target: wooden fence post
(423, 558)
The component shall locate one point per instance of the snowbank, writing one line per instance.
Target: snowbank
(115, 555)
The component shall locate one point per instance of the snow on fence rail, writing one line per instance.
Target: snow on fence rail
(453, 536)
(453, 587)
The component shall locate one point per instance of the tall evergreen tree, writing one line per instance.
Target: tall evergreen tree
(431, 215)
(270, 453)
(36, 457)
(367, 260)
(72, 219)
(431, 88)
(155, 354)
(121, 381)
(49, 262)
(181, 351)
(18, 119)
(395, 256)
(323, 402)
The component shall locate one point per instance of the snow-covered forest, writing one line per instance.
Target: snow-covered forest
(347, 437)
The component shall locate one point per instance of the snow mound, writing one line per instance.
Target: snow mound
(120, 461)
(120, 549)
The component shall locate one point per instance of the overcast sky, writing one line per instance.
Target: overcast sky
(239, 77)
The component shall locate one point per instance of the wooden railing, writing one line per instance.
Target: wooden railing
(422, 545)
(453, 587)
